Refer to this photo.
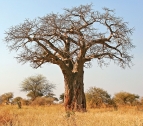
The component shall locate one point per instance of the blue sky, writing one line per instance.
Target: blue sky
(113, 79)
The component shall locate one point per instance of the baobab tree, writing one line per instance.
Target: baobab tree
(71, 40)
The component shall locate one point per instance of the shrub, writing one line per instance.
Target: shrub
(97, 97)
(42, 101)
(125, 98)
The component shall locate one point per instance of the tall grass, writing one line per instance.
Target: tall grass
(55, 115)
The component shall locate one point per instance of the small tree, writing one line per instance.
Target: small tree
(37, 86)
(125, 98)
(62, 97)
(16, 99)
(6, 97)
(71, 41)
(97, 96)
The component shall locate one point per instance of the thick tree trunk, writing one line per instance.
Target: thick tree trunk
(74, 97)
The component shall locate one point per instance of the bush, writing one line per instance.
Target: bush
(125, 98)
(25, 102)
(42, 101)
(97, 97)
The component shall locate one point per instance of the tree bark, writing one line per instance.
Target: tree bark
(74, 97)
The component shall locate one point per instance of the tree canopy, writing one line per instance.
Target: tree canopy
(62, 97)
(37, 86)
(6, 97)
(65, 38)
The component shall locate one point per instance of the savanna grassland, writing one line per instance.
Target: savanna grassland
(55, 115)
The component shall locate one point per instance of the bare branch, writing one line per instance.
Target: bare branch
(72, 38)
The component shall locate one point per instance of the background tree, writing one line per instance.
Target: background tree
(52, 96)
(125, 98)
(16, 99)
(6, 97)
(62, 97)
(71, 40)
(96, 97)
(37, 86)
(34, 94)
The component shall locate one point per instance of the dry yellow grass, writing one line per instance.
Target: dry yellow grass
(55, 116)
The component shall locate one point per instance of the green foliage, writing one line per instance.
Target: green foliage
(50, 94)
(33, 95)
(125, 98)
(37, 86)
(96, 97)
(56, 99)
(62, 97)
